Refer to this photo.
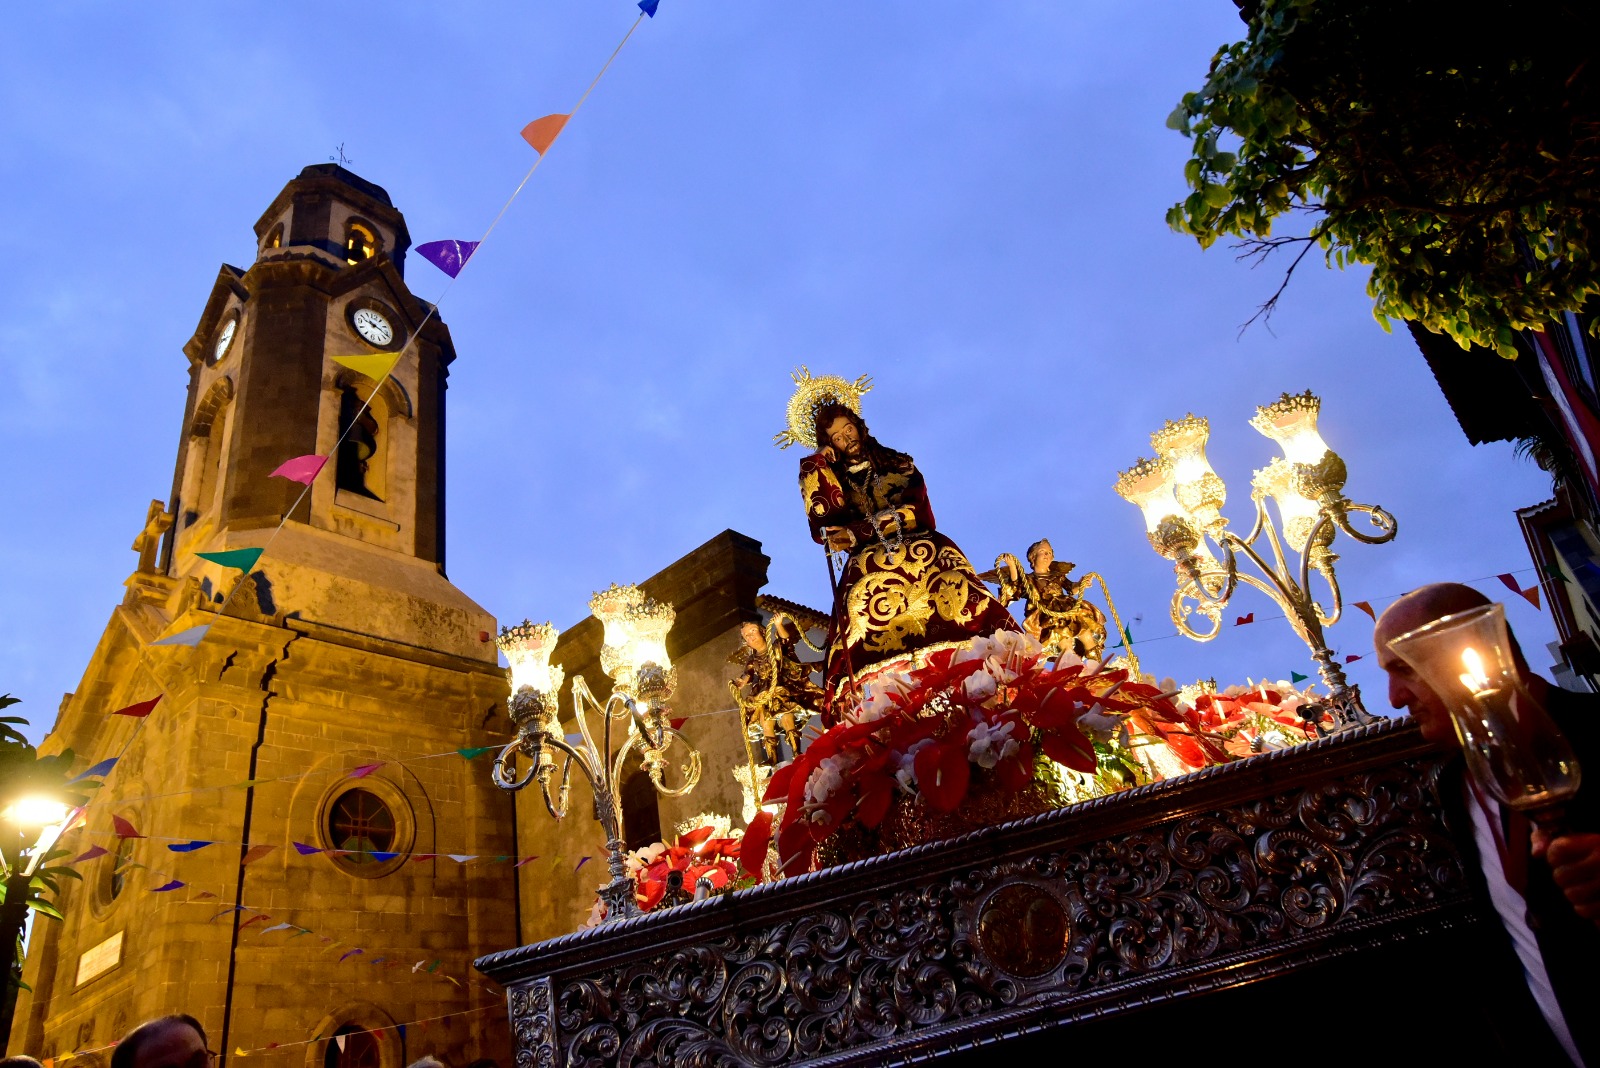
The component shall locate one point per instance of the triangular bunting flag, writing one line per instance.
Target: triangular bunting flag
(382, 857)
(202, 895)
(434, 966)
(263, 918)
(188, 847)
(475, 751)
(256, 852)
(581, 862)
(462, 858)
(276, 927)
(239, 1051)
(1295, 676)
(649, 7)
(375, 367)
(423, 856)
(189, 637)
(1242, 620)
(1367, 608)
(402, 1029)
(301, 469)
(123, 828)
(340, 1040)
(1352, 658)
(173, 885)
(527, 860)
(140, 710)
(90, 854)
(305, 850)
(1531, 594)
(366, 769)
(99, 769)
(448, 256)
(243, 559)
(226, 911)
(1551, 571)
(346, 957)
(540, 133)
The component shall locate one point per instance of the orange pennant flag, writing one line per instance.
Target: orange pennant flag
(1531, 594)
(256, 852)
(540, 133)
(1367, 608)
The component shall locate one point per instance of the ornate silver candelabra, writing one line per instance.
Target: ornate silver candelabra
(635, 656)
(1182, 497)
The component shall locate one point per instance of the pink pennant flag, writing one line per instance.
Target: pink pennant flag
(140, 710)
(263, 918)
(302, 469)
(366, 769)
(202, 895)
(256, 852)
(540, 133)
(1367, 608)
(123, 828)
(90, 854)
(527, 860)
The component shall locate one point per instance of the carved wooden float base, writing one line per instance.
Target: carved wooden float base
(1290, 888)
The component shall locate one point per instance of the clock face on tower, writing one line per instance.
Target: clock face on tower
(372, 326)
(225, 338)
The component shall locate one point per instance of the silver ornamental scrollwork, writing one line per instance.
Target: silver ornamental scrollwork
(875, 966)
(533, 1024)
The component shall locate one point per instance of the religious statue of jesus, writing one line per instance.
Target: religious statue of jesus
(906, 590)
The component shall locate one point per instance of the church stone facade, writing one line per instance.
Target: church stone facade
(346, 646)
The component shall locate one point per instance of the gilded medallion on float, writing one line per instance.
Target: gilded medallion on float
(1024, 930)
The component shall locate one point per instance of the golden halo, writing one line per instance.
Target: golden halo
(811, 394)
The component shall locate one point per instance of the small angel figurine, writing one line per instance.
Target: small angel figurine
(775, 694)
(1054, 609)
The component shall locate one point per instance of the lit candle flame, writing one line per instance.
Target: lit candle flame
(1474, 678)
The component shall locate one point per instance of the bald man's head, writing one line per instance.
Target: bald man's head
(1406, 690)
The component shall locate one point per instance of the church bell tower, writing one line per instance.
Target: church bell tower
(309, 740)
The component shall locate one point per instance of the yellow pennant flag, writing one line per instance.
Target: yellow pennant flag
(376, 366)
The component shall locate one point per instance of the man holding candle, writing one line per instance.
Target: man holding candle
(1546, 893)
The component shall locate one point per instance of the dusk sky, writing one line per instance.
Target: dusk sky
(964, 201)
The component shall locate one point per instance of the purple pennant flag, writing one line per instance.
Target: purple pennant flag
(90, 854)
(448, 256)
(173, 885)
(350, 954)
(306, 850)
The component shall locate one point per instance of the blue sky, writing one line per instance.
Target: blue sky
(964, 201)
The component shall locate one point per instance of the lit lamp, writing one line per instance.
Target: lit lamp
(634, 653)
(43, 820)
(1181, 498)
(1513, 750)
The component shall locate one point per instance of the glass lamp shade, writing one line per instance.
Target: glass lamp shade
(1513, 750)
(1297, 514)
(1147, 485)
(636, 630)
(1199, 490)
(1291, 421)
(528, 646)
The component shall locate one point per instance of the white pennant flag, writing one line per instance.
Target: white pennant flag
(190, 637)
(462, 858)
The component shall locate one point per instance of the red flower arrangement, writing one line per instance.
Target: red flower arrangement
(995, 703)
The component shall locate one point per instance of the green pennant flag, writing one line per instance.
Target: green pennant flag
(1554, 572)
(476, 751)
(1125, 639)
(243, 559)
(1295, 676)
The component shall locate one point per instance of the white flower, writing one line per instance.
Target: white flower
(1100, 724)
(597, 914)
(988, 744)
(828, 777)
(980, 686)
(905, 771)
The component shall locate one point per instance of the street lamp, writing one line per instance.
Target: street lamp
(1181, 497)
(634, 654)
(26, 816)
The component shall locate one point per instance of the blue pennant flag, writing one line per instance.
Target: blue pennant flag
(99, 769)
(649, 7)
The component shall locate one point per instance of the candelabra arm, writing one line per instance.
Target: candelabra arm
(1382, 520)
(1316, 555)
(558, 807)
(510, 780)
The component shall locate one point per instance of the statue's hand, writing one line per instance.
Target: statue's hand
(827, 453)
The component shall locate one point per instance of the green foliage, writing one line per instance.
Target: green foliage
(1456, 152)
